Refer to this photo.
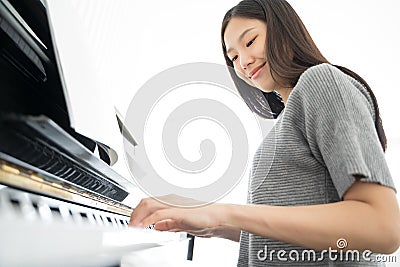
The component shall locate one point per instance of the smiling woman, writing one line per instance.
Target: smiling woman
(327, 181)
(250, 45)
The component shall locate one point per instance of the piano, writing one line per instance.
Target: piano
(60, 203)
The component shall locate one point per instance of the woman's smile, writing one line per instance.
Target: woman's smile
(256, 71)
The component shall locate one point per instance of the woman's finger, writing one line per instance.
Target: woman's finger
(167, 225)
(161, 215)
(146, 207)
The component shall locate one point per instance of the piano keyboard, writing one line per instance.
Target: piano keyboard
(29, 206)
(42, 231)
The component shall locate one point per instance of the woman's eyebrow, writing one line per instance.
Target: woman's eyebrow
(241, 36)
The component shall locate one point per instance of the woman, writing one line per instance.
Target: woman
(326, 180)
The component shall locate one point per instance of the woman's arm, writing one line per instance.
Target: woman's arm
(368, 218)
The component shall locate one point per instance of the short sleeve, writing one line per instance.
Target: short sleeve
(340, 129)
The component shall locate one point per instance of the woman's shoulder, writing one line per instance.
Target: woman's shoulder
(320, 74)
(315, 81)
(324, 78)
(326, 85)
(325, 68)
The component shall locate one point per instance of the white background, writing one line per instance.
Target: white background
(131, 41)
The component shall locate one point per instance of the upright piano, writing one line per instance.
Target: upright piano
(60, 204)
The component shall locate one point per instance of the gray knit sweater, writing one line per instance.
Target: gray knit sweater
(324, 136)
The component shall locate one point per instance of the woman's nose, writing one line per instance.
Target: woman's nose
(246, 60)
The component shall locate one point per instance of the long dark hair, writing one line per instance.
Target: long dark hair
(286, 31)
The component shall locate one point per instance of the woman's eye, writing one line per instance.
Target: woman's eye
(234, 58)
(251, 42)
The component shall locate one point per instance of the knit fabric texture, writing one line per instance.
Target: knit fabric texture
(322, 139)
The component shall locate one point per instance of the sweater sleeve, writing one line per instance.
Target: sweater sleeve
(339, 127)
(243, 260)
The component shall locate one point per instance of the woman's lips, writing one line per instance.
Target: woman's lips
(256, 72)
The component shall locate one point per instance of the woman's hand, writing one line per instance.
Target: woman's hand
(193, 217)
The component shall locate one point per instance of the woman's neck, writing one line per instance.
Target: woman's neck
(284, 92)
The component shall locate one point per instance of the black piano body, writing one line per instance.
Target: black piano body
(59, 203)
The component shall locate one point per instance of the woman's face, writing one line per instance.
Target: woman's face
(245, 41)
